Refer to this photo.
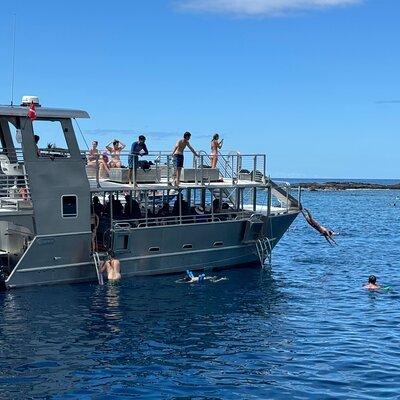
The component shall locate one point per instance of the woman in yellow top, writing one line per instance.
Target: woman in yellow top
(216, 145)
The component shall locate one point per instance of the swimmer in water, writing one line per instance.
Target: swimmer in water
(112, 266)
(190, 278)
(372, 285)
(325, 232)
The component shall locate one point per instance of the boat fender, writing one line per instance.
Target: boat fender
(202, 277)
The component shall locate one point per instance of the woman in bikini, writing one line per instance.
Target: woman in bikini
(115, 152)
(216, 145)
(95, 156)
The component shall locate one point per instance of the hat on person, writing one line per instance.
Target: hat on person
(199, 210)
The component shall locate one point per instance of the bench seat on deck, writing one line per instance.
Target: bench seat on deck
(209, 174)
(121, 175)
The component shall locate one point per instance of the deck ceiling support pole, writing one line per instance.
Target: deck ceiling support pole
(212, 205)
(146, 204)
(203, 198)
(269, 200)
(254, 199)
(180, 205)
(188, 197)
(111, 197)
(237, 198)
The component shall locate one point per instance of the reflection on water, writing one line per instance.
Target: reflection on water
(304, 329)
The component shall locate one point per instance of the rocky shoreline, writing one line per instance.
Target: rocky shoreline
(314, 186)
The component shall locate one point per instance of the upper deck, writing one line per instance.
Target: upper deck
(26, 165)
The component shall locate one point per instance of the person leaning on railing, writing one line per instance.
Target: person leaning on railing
(138, 148)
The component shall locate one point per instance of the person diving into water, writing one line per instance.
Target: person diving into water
(325, 232)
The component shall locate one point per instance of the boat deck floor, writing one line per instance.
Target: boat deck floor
(107, 185)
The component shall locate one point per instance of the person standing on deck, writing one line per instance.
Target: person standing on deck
(112, 266)
(216, 145)
(177, 154)
(115, 151)
(138, 148)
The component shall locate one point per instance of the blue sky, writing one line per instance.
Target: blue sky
(301, 80)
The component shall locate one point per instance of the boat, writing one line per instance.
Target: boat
(216, 218)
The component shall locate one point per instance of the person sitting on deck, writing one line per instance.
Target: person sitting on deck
(372, 285)
(325, 232)
(115, 152)
(94, 158)
(164, 210)
(200, 214)
(112, 266)
(131, 208)
(138, 148)
(216, 206)
(178, 157)
(184, 207)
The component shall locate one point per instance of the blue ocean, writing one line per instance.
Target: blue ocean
(303, 328)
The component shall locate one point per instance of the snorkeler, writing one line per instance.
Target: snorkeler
(191, 278)
(326, 233)
(372, 285)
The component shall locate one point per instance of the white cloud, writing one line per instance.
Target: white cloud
(260, 7)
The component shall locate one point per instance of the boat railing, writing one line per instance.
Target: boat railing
(233, 166)
(14, 184)
(145, 222)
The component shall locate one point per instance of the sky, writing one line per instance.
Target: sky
(314, 84)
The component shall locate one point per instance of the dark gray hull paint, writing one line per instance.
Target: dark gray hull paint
(65, 258)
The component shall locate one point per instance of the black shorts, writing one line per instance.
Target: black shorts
(178, 160)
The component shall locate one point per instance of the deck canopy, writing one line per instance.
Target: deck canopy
(42, 112)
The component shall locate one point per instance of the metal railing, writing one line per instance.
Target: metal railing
(231, 167)
(14, 185)
(144, 222)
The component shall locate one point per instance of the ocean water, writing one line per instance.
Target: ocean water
(303, 329)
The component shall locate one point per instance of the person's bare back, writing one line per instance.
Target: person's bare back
(113, 268)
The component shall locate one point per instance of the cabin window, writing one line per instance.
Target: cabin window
(122, 242)
(51, 142)
(187, 246)
(218, 244)
(69, 206)
(153, 249)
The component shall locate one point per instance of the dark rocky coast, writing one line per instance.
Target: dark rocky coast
(314, 186)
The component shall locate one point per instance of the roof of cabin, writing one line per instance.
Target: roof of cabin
(42, 112)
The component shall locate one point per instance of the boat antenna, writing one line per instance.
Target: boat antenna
(83, 136)
(13, 60)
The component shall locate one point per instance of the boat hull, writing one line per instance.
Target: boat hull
(146, 251)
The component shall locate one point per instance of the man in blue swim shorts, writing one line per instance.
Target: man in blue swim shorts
(177, 154)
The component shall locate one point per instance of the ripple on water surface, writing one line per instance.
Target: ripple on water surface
(305, 329)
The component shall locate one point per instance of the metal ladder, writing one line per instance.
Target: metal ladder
(264, 250)
(96, 260)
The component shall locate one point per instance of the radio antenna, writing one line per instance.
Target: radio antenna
(13, 60)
